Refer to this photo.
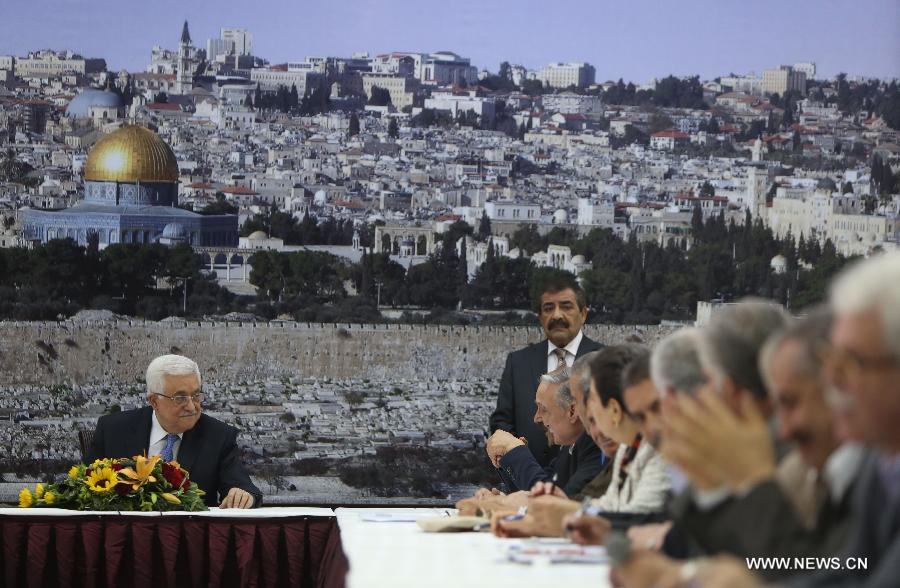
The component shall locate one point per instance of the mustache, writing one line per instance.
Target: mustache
(558, 323)
(801, 438)
(188, 414)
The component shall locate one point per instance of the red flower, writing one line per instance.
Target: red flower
(116, 467)
(122, 489)
(175, 476)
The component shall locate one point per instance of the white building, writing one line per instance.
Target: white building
(512, 211)
(569, 103)
(47, 63)
(596, 213)
(269, 79)
(444, 68)
(457, 102)
(745, 84)
(808, 68)
(563, 75)
(237, 41)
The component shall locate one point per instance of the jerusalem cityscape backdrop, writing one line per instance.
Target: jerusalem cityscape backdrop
(349, 246)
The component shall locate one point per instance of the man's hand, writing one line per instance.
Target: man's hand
(491, 503)
(544, 519)
(547, 489)
(650, 536)
(485, 493)
(587, 530)
(499, 445)
(647, 569)
(237, 498)
(709, 441)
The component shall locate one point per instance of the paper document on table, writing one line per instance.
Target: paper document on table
(556, 552)
(394, 517)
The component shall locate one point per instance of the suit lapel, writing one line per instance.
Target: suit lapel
(538, 366)
(585, 346)
(139, 438)
(191, 442)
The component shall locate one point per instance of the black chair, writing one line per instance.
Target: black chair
(85, 438)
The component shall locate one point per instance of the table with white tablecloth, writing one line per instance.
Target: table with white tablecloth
(393, 553)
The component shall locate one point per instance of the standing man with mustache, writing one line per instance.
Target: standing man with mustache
(174, 427)
(562, 310)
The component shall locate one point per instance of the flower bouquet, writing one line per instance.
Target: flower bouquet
(140, 483)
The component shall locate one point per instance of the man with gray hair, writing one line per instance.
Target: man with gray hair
(174, 427)
(863, 364)
(578, 462)
(675, 363)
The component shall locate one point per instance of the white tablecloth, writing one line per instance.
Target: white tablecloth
(399, 554)
(265, 512)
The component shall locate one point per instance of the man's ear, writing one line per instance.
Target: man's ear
(573, 416)
(151, 398)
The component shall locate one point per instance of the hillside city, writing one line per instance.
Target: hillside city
(393, 149)
(367, 185)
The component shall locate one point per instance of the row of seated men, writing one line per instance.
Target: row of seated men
(758, 435)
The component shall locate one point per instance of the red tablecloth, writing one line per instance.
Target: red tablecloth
(122, 551)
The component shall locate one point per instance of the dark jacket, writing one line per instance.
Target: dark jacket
(515, 403)
(573, 470)
(875, 537)
(209, 451)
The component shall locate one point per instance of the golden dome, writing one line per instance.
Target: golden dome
(131, 154)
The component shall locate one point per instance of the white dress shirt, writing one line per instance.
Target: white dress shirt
(158, 439)
(571, 350)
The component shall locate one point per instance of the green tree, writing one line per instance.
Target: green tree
(354, 125)
(484, 227)
(393, 129)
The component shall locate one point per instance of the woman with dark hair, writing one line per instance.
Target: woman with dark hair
(639, 480)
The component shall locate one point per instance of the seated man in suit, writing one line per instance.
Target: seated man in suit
(562, 311)
(579, 461)
(174, 427)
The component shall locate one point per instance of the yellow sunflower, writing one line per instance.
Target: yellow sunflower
(25, 498)
(39, 491)
(102, 480)
(73, 472)
(49, 497)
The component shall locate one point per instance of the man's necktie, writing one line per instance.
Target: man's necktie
(560, 357)
(167, 453)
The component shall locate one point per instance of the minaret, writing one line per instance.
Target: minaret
(184, 81)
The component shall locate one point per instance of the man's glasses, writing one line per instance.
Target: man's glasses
(183, 399)
(843, 362)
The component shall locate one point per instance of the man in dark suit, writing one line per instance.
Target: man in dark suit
(174, 427)
(562, 310)
(580, 460)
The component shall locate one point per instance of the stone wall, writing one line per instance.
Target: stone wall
(80, 352)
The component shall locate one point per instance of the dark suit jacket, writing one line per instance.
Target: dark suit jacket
(208, 452)
(764, 523)
(515, 403)
(875, 536)
(572, 471)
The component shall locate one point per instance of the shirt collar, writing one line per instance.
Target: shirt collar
(841, 469)
(572, 347)
(157, 433)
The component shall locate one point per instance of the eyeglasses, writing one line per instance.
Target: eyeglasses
(847, 363)
(182, 399)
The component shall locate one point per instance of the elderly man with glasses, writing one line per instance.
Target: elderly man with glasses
(174, 427)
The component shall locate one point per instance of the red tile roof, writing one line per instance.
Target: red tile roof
(671, 133)
(164, 106)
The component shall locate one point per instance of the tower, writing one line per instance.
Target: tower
(184, 81)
